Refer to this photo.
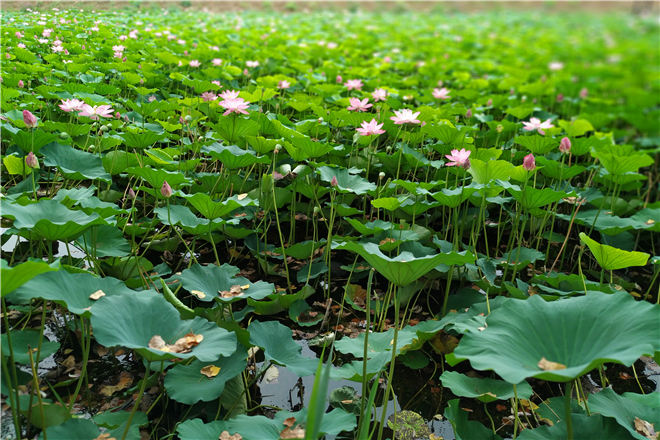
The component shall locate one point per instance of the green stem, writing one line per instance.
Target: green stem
(390, 376)
(567, 411)
(143, 385)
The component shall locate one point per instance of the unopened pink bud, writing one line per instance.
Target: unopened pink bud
(584, 93)
(21, 84)
(31, 160)
(468, 114)
(565, 145)
(529, 163)
(490, 103)
(339, 79)
(131, 194)
(29, 119)
(560, 98)
(334, 182)
(166, 190)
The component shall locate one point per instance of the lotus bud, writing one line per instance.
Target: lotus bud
(188, 118)
(565, 145)
(166, 190)
(499, 128)
(182, 121)
(339, 79)
(131, 194)
(320, 120)
(317, 210)
(381, 175)
(334, 182)
(468, 114)
(278, 147)
(29, 119)
(83, 47)
(31, 160)
(584, 93)
(64, 135)
(103, 128)
(246, 72)
(21, 84)
(388, 148)
(529, 164)
(123, 59)
(118, 115)
(490, 102)
(560, 98)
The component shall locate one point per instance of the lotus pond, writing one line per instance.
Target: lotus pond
(350, 225)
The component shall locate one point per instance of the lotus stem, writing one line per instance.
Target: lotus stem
(390, 375)
(365, 354)
(143, 385)
(567, 411)
(15, 410)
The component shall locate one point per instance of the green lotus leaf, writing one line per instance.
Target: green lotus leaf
(75, 164)
(370, 228)
(278, 302)
(155, 178)
(408, 425)
(486, 389)
(537, 144)
(406, 267)
(212, 210)
(618, 165)
(132, 319)
(233, 128)
(297, 313)
(104, 241)
(113, 420)
(486, 172)
(611, 258)
(345, 398)
(234, 157)
(71, 290)
(206, 282)
(626, 408)
(24, 340)
(521, 257)
(32, 141)
(604, 223)
(182, 216)
(263, 428)
(346, 182)
(555, 170)
(141, 140)
(50, 219)
(594, 427)
(465, 429)
(13, 277)
(188, 384)
(73, 429)
(302, 250)
(531, 198)
(279, 347)
(454, 197)
(562, 332)
(354, 371)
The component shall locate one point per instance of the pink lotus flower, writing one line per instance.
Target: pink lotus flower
(252, 63)
(490, 102)
(216, 61)
(118, 48)
(565, 145)
(194, 63)
(353, 84)
(379, 95)
(227, 94)
(584, 93)
(236, 105)
(19, 35)
(405, 116)
(284, 84)
(556, 65)
(166, 190)
(118, 54)
(339, 79)
(459, 158)
(560, 98)
(536, 124)
(31, 160)
(152, 98)
(217, 83)
(359, 106)
(29, 119)
(468, 113)
(21, 84)
(529, 164)
(370, 128)
(21, 45)
(104, 111)
(209, 96)
(442, 93)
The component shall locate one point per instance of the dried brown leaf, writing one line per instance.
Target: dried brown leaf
(225, 436)
(210, 371)
(547, 365)
(97, 295)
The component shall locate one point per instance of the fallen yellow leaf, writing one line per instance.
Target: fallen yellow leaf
(547, 365)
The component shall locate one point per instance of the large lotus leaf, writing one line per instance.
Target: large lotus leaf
(24, 340)
(346, 182)
(141, 140)
(71, 290)
(233, 128)
(104, 241)
(625, 409)
(370, 228)
(465, 429)
(537, 144)
(650, 217)
(278, 302)
(75, 164)
(521, 256)
(618, 165)
(212, 210)
(182, 216)
(486, 389)
(604, 223)
(378, 342)
(302, 250)
(531, 198)
(50, 219)
(594, 427)
(234, 157)
(406, 267)
(157, 177)
(354, 371)
(33, 140)
(611, 258)
(14, 277)
(454, 197)
(263, 428)
(188, 384)
(132, 319)
(555, 170)
(277, 342)
(206, 282)
(579, 333)
(73, 429)
(485, 172)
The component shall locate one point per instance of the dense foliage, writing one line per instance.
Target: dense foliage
(187, 198)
